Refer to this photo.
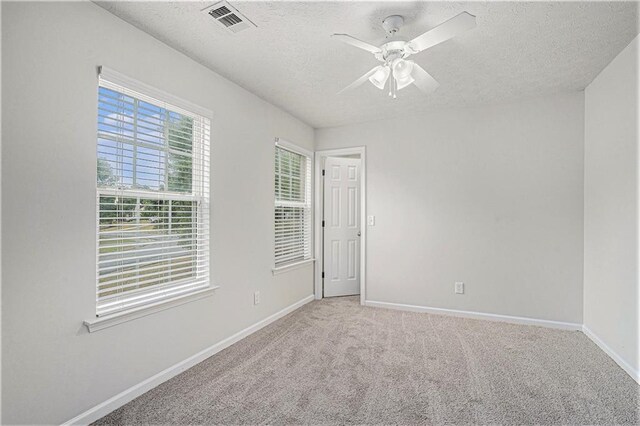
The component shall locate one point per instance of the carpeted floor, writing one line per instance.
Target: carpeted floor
(334, 362)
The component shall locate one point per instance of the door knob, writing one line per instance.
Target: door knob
(359, 233)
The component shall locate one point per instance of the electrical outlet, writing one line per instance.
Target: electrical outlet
(459, 287)
(371, 220)
(256, 298)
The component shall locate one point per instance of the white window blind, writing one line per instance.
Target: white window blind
(152, 196)
(292, 205)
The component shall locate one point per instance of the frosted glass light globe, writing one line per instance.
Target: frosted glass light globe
(379, 78)
(402, 69)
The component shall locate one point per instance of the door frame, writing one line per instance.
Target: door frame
(319, 207)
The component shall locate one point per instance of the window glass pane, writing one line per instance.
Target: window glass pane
(180, 173)
(144, 243)
(297, 192)
(143, 146)
(290, 238)
(290, 176)
(180, 132)
(150, 169)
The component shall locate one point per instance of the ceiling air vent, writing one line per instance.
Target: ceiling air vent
(228, 17)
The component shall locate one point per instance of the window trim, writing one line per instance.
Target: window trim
(289, 146)
(150, 94)
(295, 148)
(276, 270)
(153, 94)
(106, 321)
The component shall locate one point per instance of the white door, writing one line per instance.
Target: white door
(341, 226)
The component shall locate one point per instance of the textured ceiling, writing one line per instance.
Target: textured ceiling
(517, 50)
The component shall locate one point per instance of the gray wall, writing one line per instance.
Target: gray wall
(492, 196)
(52, 368)
(611, 206)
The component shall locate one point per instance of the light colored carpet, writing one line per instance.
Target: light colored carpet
(335, 362)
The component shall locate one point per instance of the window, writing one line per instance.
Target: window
(152, 196)
(292, 204)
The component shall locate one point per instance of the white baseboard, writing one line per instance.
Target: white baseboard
(635, 374)
(133, 392)
(476, 315)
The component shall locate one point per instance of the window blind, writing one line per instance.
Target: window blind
(152, 198)
(292, 206)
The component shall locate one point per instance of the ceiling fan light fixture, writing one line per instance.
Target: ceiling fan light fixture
(379, 78)
(402, 69)
(401, 83)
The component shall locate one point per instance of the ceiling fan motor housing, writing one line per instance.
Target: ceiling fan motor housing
(393, 50)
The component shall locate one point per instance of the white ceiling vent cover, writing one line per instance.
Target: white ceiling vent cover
(228, 17)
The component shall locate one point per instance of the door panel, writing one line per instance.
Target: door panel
(352, 214)
(335, 207)
(342, 227)
(351, 261)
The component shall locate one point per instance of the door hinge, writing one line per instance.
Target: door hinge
(323, 223)
(322, 172)
(323, 275)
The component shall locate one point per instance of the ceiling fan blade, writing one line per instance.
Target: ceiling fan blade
(443, 32)
(346, 38)
(423, 79)
(361, 80)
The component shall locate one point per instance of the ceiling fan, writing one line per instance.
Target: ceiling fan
(394, 53)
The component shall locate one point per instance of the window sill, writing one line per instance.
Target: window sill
(107, 321)
(286, 268)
